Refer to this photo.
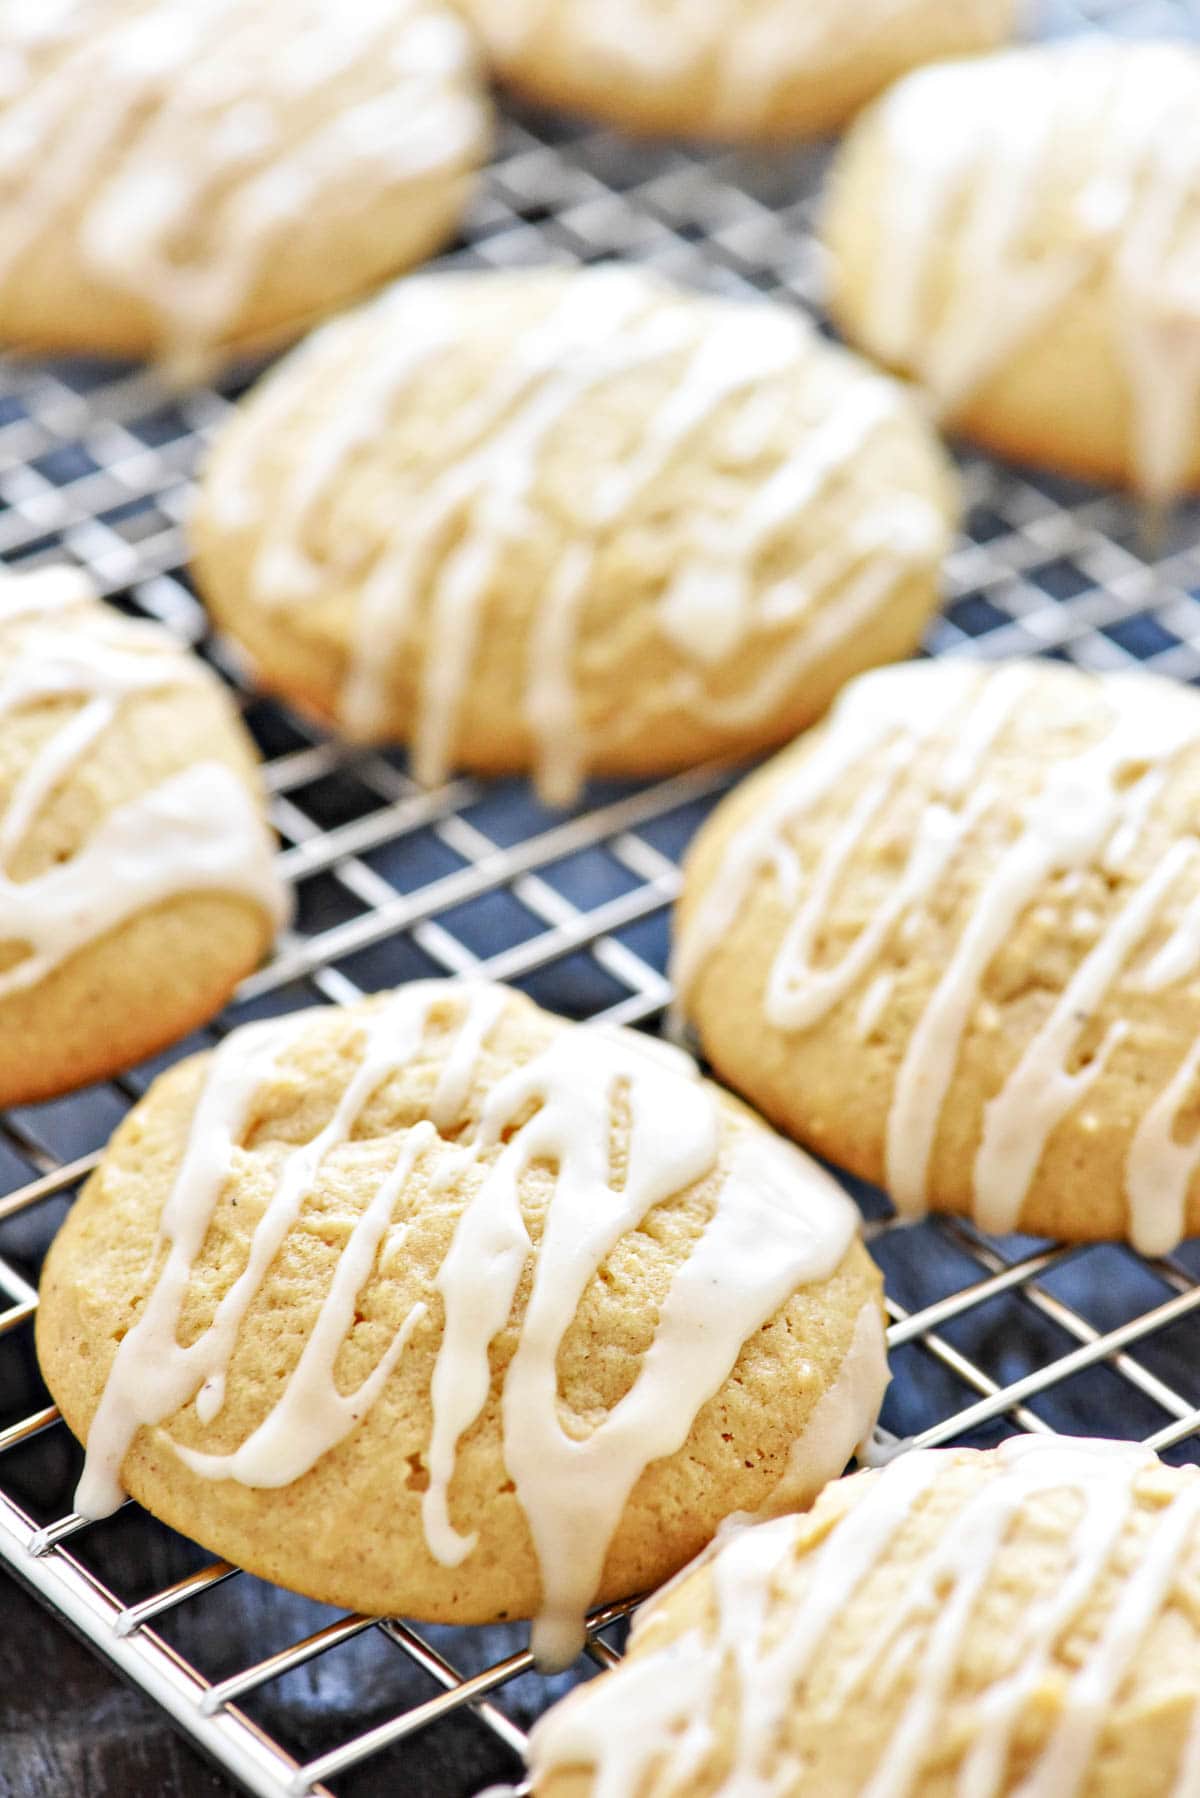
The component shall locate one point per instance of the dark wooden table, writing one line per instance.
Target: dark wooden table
(71, 1729)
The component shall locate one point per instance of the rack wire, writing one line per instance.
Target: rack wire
(394, 882)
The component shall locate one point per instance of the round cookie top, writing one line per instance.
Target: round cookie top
(952, 940)
(574, 519)
(459, 1310)
(136, 877)
(179, 176)
(1017, 1621)
(725, 68)
(1021, 233)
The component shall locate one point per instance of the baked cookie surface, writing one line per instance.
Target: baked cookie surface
(1021, 234)
(1017, 1621)
(136, 877)
(457, 1310)
(951, 939)
(180, 177)
(734, 69)
(574, 520)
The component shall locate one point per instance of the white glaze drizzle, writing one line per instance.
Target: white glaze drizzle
(868, 714)
(190, 130)
(747, 54)
(777, 1222)
(873, 1005)
(656, 1711)
(609, 323)
(1082, 817)
(197, 831)
(834, 1431)
(1040, 1090)
(968, 150)
(1160, 1168)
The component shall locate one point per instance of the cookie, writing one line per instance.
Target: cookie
(1021, 235)
(461, 1311)
(184, 177)
(574, 520)
(1017, 1621)
(136, 878)
(763, 69)
(952, 941)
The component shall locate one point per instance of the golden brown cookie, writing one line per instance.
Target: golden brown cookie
(1022, 1621)
(951, 939)
(574, 520)
(725, 68)
(459, 1310)
(1021, 234)
(181, 177)
(136, 878)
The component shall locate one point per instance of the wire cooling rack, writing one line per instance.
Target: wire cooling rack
(394, 883)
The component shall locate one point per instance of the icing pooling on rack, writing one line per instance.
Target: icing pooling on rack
(777, 1222)
(970, 152)
(217, 120)
(1086, 814)
(750, 52)
(605, 325)
(656, 1711)
(196, 831)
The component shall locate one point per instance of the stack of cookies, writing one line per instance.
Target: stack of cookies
(440, 1304)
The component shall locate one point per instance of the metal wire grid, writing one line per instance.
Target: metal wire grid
(393, 882)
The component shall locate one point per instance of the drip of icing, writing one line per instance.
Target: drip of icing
(551, 707)
(874, 1003)
(1065, 827)
(151, 1375)
(968, 149)
(871, 560)
(609, 323)
(197, 831)
(832, 1435)
(190, 116)
(777, 1222)
(591, 337)
(798, 992)
(757, 1249)
(873, 710)
(1179, 956)
(1160, 1168)
(655, 1711)
(420, 333)
(1040, 1091)
(1081, 817)
(98, 665)
(280, 1449)
(835, 1432)
(727, 551)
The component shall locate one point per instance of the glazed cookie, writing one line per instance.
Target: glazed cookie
(461, 1311)
(952, 941)
(179, 177)
(579, 520)
(136, 879)
(734, 69)
(1021, 233)
(1022, 1621)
